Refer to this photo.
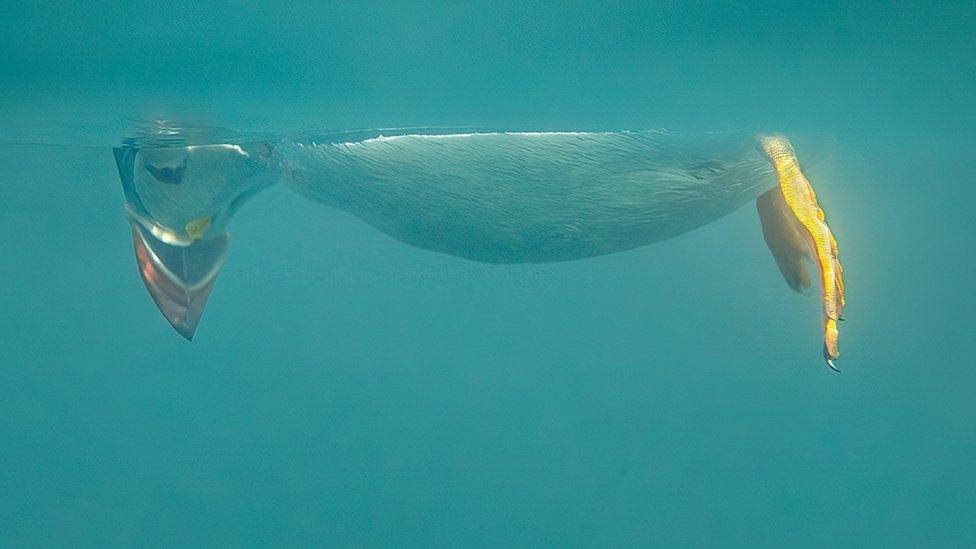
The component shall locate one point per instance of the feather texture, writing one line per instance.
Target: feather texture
(532, 197)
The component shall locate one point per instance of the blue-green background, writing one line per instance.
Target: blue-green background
(345, 389)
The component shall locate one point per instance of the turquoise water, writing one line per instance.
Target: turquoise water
(345, 388)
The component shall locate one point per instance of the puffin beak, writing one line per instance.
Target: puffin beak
(179, 278)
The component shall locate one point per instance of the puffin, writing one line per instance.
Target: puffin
(487, 196)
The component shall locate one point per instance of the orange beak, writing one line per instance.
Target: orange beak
(179, 278)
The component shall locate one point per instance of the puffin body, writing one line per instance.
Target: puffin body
(532, 197)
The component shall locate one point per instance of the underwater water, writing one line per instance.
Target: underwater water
(355, 386)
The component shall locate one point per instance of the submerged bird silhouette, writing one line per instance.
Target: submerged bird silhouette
(491, 197)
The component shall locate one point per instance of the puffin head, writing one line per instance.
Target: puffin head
(178, 201)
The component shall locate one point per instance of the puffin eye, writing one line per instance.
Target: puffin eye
(167, 174)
